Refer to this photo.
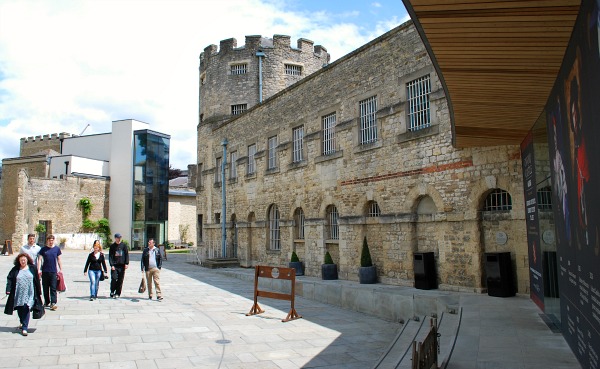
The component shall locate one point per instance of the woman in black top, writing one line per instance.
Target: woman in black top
(94, 266)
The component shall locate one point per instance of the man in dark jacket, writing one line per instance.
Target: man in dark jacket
(118, 258)
(151, 264)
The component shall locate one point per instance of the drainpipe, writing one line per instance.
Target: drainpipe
(260, 55)
(223, 200)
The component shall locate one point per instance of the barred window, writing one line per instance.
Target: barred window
(239, 69)
(238, 109)
(274, 234)
(417, 93)
(299, 224)
(218, 171)
(544, 198)
(251, 159)
(293, 70)
(272, 153)
(233, 165)
(298, 137)
(328, 134)
(498, 200)
(332, 223)
(373, 209)
(368, 120)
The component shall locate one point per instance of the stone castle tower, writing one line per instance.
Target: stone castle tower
(234, 79)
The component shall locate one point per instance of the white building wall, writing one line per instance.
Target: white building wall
(93, 146)
(121, 176)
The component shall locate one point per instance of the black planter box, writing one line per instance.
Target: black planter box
(298, 266)
(329, 271)
(367, 275)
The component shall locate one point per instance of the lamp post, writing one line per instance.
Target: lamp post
(223, 201)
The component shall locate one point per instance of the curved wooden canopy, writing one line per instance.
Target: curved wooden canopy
(498, 61)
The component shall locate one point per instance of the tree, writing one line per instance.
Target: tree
(174, 173)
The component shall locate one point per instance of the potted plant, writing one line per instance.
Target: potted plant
(296, 264)
(63, 242)
(328, 268)
(367, 273)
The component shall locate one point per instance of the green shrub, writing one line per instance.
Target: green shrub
(88, 225)
(86, 206)
(40, 228)
(328, 259)
(294, 258)
(365, 255)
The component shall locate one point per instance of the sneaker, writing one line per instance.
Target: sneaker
(112, 294)
(24, 332)
(149, 297)
(53, 307)
(47, 304)
(20, 326)
(91, 298)
(159, 298)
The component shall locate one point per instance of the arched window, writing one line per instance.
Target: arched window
(373, 209)
(498, 200)
(544, 198)
(274, 234)
(333, 231)
(299, 224)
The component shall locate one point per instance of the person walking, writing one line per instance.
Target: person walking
(23, 290)
(151, 263)
(49, 264)
(118, 258)
(30, 248)
(94, 266)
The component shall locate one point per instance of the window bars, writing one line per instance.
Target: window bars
(238, 109)
(298, 138)
(328, 134)
(368, 120)
(233, 165)
(274, 234)
(374, 210)
(498, 200)
(293, 70)
(544, 198)
(299, 218)
(272, 153)
(417, 93)
(251, 159)
(237, 69)
(332, 219)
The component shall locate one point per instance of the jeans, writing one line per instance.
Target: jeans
(49, 286)
(94, 276)
(24, 315)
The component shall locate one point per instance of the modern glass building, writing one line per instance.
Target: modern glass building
(150, 187)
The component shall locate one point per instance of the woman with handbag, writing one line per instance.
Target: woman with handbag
(23, 289)
(95, 267)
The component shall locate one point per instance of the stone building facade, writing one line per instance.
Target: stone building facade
(337, 157)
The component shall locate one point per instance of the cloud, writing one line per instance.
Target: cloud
(65, 64)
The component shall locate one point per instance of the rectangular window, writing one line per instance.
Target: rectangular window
(328, 134)
(293, 70)
(251, 159)
(238, 109)
(298, 137)
(239, 69)
(199, 182)
(368, 121)
(233, 165)
(218, 171)
(417, 93)
(334, 230)
(199, 227)
(272, 153)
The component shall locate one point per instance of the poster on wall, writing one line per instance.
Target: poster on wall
(536, 280)
(573, 122)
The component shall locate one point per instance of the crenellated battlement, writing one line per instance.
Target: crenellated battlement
(232, 75)
(34, 144)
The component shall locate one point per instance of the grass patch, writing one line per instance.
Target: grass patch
(178, 251)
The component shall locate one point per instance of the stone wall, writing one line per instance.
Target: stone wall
(33, 145)
(403, 171)
(182, 213)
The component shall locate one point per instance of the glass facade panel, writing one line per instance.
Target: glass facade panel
(150, 187)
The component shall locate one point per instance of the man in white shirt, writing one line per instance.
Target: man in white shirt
(151, 264)
(31, 248)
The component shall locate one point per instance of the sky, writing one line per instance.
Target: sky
(67, 64)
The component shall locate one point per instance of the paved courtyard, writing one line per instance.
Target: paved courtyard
(200, 323)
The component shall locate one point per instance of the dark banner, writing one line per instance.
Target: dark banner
(536, 280)
(573, 121)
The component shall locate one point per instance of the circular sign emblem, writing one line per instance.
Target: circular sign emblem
(501, 238)
(548, 237)
(275, 272)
